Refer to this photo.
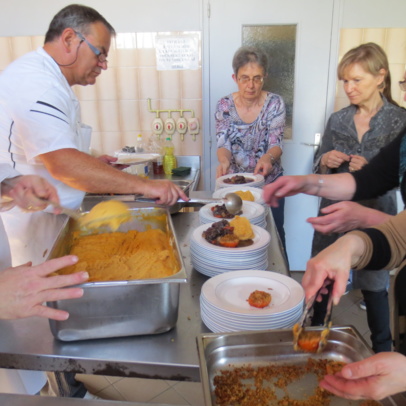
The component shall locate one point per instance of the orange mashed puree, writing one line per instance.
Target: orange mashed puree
(245, 195)
(124, 256)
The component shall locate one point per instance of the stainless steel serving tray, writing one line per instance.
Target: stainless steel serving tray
(121, 308)
(229, 350)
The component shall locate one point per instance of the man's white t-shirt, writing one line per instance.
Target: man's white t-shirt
(39, 113)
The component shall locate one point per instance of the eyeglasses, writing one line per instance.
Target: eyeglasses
(402, 85)
(257, 80)
(100, 56)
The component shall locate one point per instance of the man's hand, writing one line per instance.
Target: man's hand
(27, 192)
(109, 160)
(375, 377)
(166, 192)
(25, 288)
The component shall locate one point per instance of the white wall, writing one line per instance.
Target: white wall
(28, 17)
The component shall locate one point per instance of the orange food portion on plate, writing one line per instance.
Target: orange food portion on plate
(245, 195)
(259, 299)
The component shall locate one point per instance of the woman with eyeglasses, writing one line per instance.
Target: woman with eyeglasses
(250, 125)
(353, 136)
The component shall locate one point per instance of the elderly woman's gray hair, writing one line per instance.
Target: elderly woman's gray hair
(246, 55)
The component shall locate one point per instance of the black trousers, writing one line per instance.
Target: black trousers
(377, 309)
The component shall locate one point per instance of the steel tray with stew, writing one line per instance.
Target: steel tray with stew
(122, 307)
(240, 355)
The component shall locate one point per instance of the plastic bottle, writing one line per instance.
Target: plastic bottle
(139, 147)
(169, 157)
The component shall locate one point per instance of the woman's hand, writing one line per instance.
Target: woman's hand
(287, 186)
(25, 288)
(27, 192)
(264, 166)
(346, 216)
(222, 168)
(334, 262)
(376, 377)
(357, 162)
(334, 159)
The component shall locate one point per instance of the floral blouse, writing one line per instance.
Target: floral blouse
(247, 142)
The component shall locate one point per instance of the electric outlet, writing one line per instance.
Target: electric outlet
(157, 126)
(193, 125)
(170, 126)
(181, 126)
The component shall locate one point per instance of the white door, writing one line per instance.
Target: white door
(314, 21)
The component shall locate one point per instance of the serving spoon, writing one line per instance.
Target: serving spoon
(232, 201)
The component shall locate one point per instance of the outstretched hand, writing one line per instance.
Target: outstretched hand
(25, 288)
(376, 377)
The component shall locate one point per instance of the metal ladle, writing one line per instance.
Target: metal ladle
(232, 201)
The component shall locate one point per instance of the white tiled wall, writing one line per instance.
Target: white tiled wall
(116, 107)
(392, 40)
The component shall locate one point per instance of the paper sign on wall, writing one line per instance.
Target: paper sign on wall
(177, 52)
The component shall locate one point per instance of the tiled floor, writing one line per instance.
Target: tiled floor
(152, 391)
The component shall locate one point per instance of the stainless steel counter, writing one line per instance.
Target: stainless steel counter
(29, 344)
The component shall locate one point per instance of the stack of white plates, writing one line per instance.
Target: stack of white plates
(224, 306)
(257, 180)
(254, 212)
(213, 260)
(256, 192)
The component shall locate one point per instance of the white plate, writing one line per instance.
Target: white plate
(262, 238)
(230, 291)
(257, 180)
(128, 158)
(250, 210)
(256, 192)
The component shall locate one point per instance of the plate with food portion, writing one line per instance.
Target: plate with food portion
(233, 179)
(226, 301)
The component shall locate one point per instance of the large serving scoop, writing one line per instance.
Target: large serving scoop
(110, 213)
(232, 201)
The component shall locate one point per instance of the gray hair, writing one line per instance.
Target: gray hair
(246, 55)
(77, 17)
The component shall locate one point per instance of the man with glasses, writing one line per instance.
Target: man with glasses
(41, 133)
(40, 124)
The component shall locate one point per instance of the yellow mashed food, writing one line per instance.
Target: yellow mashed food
(242, 228)
(111, 213)
(245, 195)
(124, 256)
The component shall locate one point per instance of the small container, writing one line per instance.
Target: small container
(158, 165)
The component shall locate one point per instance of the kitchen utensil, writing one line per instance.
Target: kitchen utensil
(121, 308)
(110, 214)
(258, 349)
(232, 201)
(64, 210)
(299, 328)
